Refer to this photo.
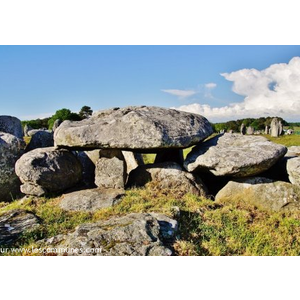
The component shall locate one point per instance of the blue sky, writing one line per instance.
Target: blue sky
(35, 81)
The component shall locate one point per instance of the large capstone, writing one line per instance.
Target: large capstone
(48, 170)
(11, 125)
(234, 155)
(11, 148)
(134, 128)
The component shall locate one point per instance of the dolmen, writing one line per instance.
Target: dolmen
(95, 160)
(108, 146)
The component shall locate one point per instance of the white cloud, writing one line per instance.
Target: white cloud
(181, 93)
(210, 85)
(274, 91)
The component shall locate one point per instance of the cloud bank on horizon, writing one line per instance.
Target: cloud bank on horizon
(274, 91)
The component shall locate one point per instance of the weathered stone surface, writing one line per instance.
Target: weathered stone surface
(11, 148)
(14, 223)
(250, 130)
(139, 234)
(293, 151)
(132, 160)
(262, 192)
(41, 139)
(87, 161)
(293, 169)
(11, 125)
(91, 199)
(276, 127)
(52, 169)
(29, 188)
(110, 173)
(134, 128)
(234, 155)
(168, 176)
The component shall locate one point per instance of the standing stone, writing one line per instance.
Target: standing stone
(11, 125)
(56, 124)
(27, 128)
(110, 173)
(136, 128)
(11, 148)
(243, 129)
(267, 129)
(234, 155)
(280, 128)
(250, 130)
(47, 170)
(41, 139)
(276, 127)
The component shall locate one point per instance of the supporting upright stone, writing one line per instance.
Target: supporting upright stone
(110, 173)
(132, 160)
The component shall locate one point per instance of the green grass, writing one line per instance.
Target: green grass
(286, 140)
(206, 228)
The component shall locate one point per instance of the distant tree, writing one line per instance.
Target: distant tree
(63, 114)
(37, 124)
(85, 112)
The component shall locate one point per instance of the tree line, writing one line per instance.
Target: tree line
(62, 114)
(257, 124)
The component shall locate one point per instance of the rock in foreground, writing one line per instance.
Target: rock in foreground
(14, 223)
(234, 155)
(11, 148)
(135, 128)
(91, 199)
(11, 125)
(293, 169)
(138, 234)
(167, 176)
(48, 170)
(262, 192)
